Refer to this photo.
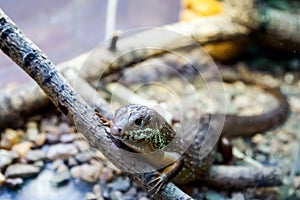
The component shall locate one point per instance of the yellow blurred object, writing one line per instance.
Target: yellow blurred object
(22, 148)
(225, 50)
(193, 9)
(203, 7)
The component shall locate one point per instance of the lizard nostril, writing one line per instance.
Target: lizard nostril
(116, 131)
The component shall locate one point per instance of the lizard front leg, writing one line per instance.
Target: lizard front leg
(160, 179)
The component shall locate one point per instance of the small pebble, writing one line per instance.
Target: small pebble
(32, 134)
(22, 148)
(39, 164)
(72, 161)
(132, 191)
(31, 124)
(52, 138)
(2, 179)
(83, 157)
(144, 198)
(9, 138)
(107, 174)
(90, 196)
(40, 139)
(62, 168)
(50, 129)
(63, 128)
(116, 195)
(105, 193)
(212, 195)
(61, 177)
(21, 171)
(237, 196)
(63, 151)
(35, 155)
(120, 184)
(14, 183)
(258, 139)
(7, 157)
(67, 138)
(81, 145)
(86, 172)
(56, 163)
(97, 190)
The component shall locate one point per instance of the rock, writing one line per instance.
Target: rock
(2, 179)
(67, 138)
(237, 195)
(9, 138)
(120, 184)
(7, 157)
(83, 157)
(32, 133)
(48, 122)
(50, 128)
(90, 196)
(52, 138)
(62, 168)
(39, 164)
(142, 195)
(81, 145)
(212, 195)
(56, 163)
(132, 191)
(35, 155)
(105, 192)
(116, 195)
(96, 163)
(86, 172)
(63, 151)
(106, 174)
(97, 190)
(21, 171)
(40, 139)
(22, 148)
(64, 128)
(31, 124)
(14, 183)
(72, 161)
(144, 198)
(61, 177)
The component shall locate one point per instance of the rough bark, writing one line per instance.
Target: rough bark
(279, 29)
(240, 177)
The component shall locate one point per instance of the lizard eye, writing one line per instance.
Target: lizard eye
(139, 122)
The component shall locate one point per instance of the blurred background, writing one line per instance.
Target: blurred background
(65, 29)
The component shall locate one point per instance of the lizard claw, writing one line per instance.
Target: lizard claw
(159, 182)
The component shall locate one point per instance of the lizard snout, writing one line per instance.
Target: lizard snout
(116, 131)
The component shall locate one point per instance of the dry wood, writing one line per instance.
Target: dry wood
(240, 177)
(279, 29)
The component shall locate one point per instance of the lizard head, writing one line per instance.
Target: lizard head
(141, 128)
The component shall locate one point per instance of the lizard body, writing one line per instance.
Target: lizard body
(144, 130)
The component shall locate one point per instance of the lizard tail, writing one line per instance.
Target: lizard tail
(249, 125)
